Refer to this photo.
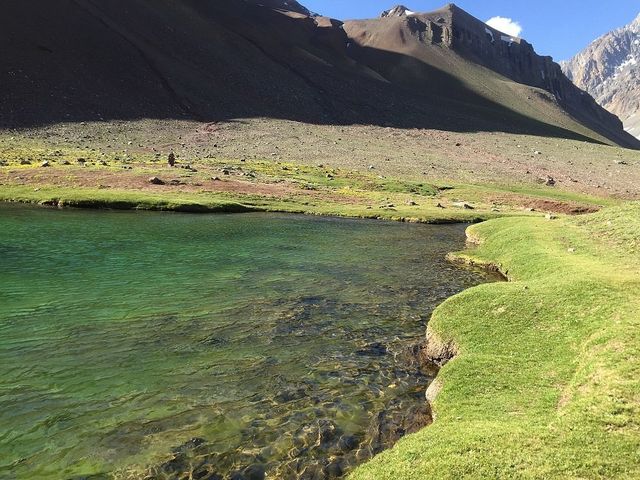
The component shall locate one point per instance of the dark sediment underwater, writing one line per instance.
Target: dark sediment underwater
(174, 346)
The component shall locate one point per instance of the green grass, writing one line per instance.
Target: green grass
(317, 190)
(545, 382)
(372, 206)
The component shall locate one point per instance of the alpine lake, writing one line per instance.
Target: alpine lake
(139, 345)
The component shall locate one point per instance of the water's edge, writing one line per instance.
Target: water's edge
(436, 350)
(223, 208)
(431, 353)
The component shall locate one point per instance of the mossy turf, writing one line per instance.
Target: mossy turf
(546, 383)
(264, 185)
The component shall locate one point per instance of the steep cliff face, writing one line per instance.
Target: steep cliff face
(609, 69)
(516, 59)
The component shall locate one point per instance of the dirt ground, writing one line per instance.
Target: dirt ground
(418, 154)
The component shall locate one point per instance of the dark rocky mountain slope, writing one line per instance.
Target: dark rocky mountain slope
(84, 60)
(609, 69)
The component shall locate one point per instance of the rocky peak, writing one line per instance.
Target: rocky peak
(609, 69)
(287, 5)
(397, 11)
(452, 28)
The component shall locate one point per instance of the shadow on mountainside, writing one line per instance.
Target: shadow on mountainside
(84, 60)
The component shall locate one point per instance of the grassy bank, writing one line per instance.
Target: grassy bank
(545, 381)
(215, 185)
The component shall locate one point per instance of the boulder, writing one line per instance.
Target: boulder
(464, 205)
(156, 181)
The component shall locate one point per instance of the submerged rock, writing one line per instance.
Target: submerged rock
(335, 468)
(347, 443)
(328, 431)
(375, 349)
(290, 394)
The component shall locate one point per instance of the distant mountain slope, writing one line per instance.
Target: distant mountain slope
(125, 59)
(609, 69)
(210, 60)
(458, 44)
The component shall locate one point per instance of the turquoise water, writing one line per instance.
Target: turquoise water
(150, 345)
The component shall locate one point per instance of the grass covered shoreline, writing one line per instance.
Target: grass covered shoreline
(214, 186)
(545, 380)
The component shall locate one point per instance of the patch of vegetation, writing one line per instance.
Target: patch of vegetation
(545, 381)
(90, 178)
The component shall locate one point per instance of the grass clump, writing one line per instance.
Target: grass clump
(545, 382)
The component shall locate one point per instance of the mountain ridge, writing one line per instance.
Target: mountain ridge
(472, 39)
(212, 61)
(609, 69)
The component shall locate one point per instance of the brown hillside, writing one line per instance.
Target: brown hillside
(89, 60)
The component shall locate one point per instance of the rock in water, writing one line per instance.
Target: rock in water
(347, 443)
(375, 349)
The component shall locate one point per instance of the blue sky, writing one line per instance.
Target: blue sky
(559, 28)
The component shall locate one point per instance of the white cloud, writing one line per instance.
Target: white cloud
(505, 25)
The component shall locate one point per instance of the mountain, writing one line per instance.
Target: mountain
(88, 60)
(609, 69)
(453, 42)
(82, 60)
(284, 5)
(397, 11)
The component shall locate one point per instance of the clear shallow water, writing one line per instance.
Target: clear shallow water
(147, 345)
